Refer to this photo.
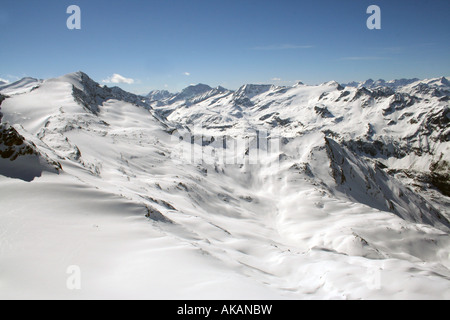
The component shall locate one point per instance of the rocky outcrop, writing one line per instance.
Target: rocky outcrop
(2, 98)
(370, 182)
(91, 95)
(12, 144)
(20, 159)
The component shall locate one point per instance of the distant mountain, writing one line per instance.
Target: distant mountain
(439, 83)
(23, 85)
(352, 84)
(371, 84)
(156, 95)
(193, 94)
(192, 91)
(91, 94)
(333, 84)
(252, 90)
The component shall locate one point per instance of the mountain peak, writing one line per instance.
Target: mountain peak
(251, 90)
(220, 89)
(193, 91)
(198, 87)
(334, 84)
(443, 81)
(330, 83)
(78, 79)
(372, 84)
(156, 95)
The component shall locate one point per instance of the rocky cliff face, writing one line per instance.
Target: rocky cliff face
(91, 95)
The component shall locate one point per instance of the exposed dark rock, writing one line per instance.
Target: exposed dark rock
(375, 148)
(368, 181)
(243, 102)
(360, 93)
(441, 182)
(2, 98)
(323, 95)
(282, 122)
(440, 175)
(156, 215)
(267, 116)
(323, 112)
(92, 95)
(12, 144)
(399, 102)
(21, 159)
(303, 168)
(343, 95)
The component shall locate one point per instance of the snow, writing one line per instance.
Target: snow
(21, 86)
(121, 254)
(318, 218)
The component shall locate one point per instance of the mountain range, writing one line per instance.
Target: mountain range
(331, 191)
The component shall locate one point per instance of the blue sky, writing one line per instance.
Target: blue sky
(169, 44)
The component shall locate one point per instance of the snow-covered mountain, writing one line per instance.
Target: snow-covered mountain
(20, 86)
(329, 191)
(158, 95)
(371, 84)
(196, 93)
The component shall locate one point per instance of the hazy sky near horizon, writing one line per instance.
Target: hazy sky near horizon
(169, 44)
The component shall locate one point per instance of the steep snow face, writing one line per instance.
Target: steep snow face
(266, 192)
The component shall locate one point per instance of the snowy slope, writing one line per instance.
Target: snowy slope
(347, 198)
(21, 86)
